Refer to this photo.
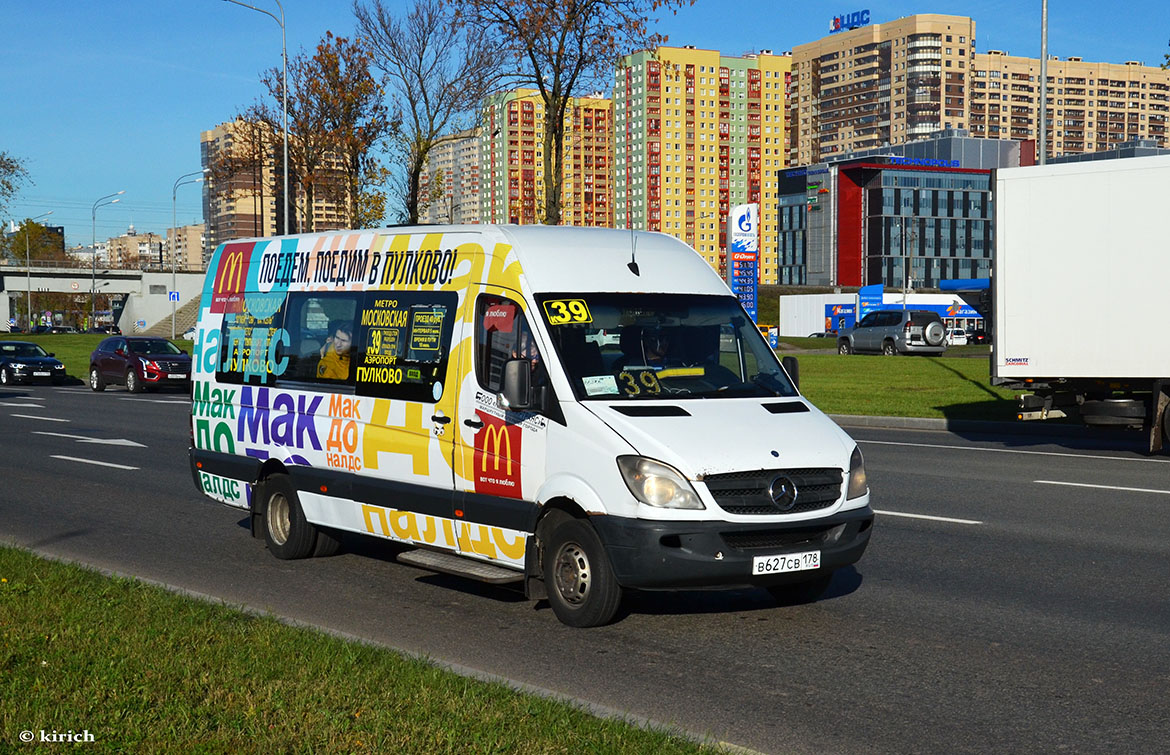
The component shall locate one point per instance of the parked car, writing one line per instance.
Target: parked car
(895, 331)
(111, 329)
(188, 335)
(978, 336)
(823, 334)
(138, 362)
(24, 362)
(956, 337)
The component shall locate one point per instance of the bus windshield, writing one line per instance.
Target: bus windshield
(657, 346)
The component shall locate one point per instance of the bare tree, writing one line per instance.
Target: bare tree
(560, 47)
(12, 175)
(240, 171)
(437, 71)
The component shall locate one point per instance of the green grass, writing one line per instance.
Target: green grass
(73, 349)
(145, 670)
(951, 387)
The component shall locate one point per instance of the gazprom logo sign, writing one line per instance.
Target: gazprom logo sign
(847, 21)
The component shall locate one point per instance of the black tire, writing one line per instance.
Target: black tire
(96, 381)
(889, 349)
(582, 588)
(1166, 425)
(133, 384)
(5, 378)
(843, 347)
(286, 531)
(799, 593)
(328, 544)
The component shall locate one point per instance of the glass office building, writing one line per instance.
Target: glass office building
(900, 222)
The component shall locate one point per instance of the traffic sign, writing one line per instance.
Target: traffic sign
(173, 295)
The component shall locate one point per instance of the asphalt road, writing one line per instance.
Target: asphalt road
(1013, 597)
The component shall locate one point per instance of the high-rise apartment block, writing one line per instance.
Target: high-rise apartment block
(891, 83)
(697, 132)
(512, 160)
(241, 196)
(880, 84)
(1092, 107)
(135, 250)
(451, 180)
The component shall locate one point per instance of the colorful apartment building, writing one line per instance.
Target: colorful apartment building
(696, 133)
(451, 175)
(512, 160)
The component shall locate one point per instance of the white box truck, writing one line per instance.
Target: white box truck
(1079, 285)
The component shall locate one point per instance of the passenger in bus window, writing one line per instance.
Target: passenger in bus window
(334, 364)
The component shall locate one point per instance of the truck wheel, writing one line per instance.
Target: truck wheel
(288, 534)
(889, 349)
(843, 347)
(1113, 412)
(934, 333)
(96, 382)
(800, 593)
(582, 589)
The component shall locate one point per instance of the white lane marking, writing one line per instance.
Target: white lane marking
(93, 461)
(158, 400)
(1011, 451)
(1101, 487)
(21, 406)
(87, 439)
(47, 419)
(931, 518)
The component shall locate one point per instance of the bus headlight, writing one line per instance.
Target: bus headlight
(858, 485)
(657, 484)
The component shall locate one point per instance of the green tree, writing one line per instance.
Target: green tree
(356, 122)
(559, 48)
(437, 74)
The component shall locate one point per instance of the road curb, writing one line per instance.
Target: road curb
(977, 426)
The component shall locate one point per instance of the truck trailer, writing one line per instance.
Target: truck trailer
(1080, 289)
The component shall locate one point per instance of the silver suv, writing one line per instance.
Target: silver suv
(895, 331)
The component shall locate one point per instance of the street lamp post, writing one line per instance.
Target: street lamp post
(174, 230)
(283, 87)
(102, 202)
(28, 267)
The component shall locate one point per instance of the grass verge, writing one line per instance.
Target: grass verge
(914, 386)
(145, 670)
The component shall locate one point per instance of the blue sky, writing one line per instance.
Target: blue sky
(104, 95)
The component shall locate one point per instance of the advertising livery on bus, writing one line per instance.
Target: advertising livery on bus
(579, 411)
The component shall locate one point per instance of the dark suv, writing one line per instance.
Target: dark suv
(895, 331)
(140, 362)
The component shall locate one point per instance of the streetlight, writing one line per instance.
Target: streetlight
(102, 202)
(174, 228)
(1043, 82)
(283, 86)
(28, 266)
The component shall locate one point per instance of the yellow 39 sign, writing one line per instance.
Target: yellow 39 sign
(565, 311)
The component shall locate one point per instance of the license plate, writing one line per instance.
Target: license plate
(178, 376)
(786, 562)
(42, 374)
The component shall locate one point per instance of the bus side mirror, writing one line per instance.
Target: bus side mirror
(792, 367)
(516, 394)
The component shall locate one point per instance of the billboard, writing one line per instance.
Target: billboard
(743, 254)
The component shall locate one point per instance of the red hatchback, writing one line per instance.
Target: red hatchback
(139, 362)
